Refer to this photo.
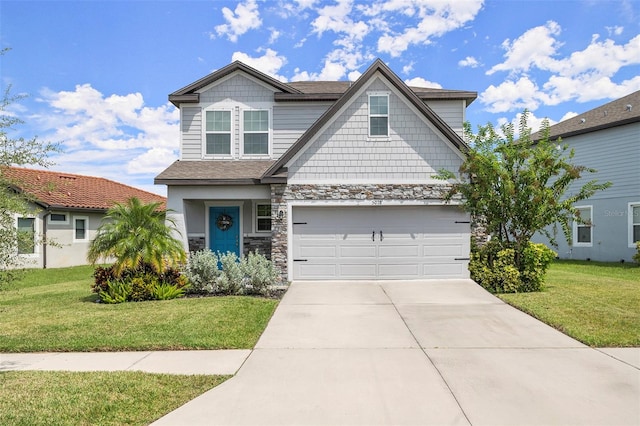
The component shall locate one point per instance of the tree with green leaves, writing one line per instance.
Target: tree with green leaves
(518, 186)
(137, 235)
(16, 151)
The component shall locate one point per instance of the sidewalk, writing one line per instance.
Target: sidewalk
(222, 362)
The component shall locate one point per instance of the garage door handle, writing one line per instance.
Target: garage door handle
(381, 236)
(462, 258)
(373, 236)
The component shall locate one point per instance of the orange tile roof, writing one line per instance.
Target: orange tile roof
(67, 190)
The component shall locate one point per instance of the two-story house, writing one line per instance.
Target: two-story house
(332, 180)
(607, 139)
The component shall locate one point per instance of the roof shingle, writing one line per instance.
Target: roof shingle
(214, 172)
(67, 190)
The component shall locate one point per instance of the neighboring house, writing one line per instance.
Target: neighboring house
(607, 139)
(331, 180)
(69, 209)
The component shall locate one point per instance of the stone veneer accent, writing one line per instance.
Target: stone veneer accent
(281, 194)
(261, 245)
(196, 244)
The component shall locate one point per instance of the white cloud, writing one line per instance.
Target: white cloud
(109, 136)
(615, 30)
(245, 17)
(275, 34)
(269, 63)
(432, 19)
(469, 61)
(582, 75)
(408, 68)
(536, 46)
(421, 82)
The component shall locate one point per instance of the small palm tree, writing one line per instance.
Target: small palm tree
(136, 234)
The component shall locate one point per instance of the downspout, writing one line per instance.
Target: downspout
(44, 239)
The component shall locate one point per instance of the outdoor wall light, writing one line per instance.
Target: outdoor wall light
(280, 214)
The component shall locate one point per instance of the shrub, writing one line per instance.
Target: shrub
(142, 287)
(502, 269)
(636, 256)
(117, 291)
(260, 274)
(202, 271)
(166, 292)
(230, 280)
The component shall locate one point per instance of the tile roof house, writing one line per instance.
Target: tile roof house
(332, 180)
(606, 138)
(70, 208)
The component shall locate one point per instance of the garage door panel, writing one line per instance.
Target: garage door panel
(409, 242)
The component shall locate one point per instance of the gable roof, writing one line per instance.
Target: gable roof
(622, 111)
(188, 94)
(59, 190)
(377, 67)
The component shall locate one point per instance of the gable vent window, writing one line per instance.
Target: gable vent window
(218, 130)
(256, 132)
(379, 115)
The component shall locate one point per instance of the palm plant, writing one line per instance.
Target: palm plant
(137, 234)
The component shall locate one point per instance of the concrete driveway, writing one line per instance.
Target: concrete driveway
(416, 353)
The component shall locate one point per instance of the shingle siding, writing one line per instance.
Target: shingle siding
(290, 121)
(344, 152)
(452, 112)
(237, 88)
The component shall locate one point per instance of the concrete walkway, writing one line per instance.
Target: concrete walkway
(171, 362)
(417, 353)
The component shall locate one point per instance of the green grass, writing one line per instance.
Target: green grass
(33, 398)
(593, 302)
(54, 310)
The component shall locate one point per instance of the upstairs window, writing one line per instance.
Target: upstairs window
(379, 115)
(218, 133)
(26, 235)
(256, 132)
(583, 231)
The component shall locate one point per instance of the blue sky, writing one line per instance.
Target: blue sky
(98, 73)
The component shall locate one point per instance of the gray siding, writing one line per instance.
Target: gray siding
(615, 153)
(237, 89)
(290, 121)
(191, 131)
(452, 112)
(345, 153)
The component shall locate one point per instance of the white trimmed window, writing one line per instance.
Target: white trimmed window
(58, 219)
(378, 115)
(255, 132)
(218, 133)
(634, 223)
(583, 230)
(26, 235)
(80, 229)
(263, 217)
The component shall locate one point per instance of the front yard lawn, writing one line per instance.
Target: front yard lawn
(33, 398)
(593, 302)
(54, 310)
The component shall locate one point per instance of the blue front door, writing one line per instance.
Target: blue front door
(224, 229)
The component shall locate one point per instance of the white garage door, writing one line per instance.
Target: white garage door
(399, 242)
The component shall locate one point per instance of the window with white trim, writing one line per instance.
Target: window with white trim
(263, 217)
(80, 228)
(634, 223)
(255, 132)
(378, 115)
(218, 133)
(58, 219)
(583, 229)
(26, 235)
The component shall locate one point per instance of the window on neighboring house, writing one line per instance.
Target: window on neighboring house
(583, 231)
(379, 115)
(58, 219)
(218, 133)
(634, 224)
(263, 217)
(80, 229)
(26, 235)
(256, 132)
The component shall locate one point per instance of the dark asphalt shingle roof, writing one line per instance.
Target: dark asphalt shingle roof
(214, 172)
